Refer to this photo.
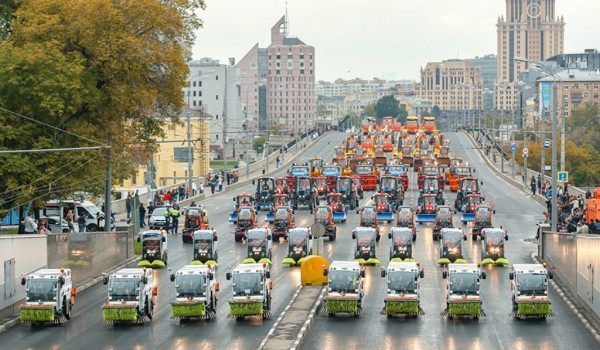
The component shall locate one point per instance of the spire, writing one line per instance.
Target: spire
(287, 22)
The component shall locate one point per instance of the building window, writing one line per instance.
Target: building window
(290, 56)
(180, 154)
(278, 57)
(586, 86)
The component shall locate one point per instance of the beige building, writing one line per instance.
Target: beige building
(451, 85)
(171, 160)
(576, 88)
(531, 30)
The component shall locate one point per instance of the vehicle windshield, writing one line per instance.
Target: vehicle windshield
(364, 170)
(483, 214)
(381, 199)
(256, 239)
(429, 200)
(345, 183)
(530, 283)
(406, 150)
(247, 283)
(126, 289)
(151, 243)
(452, 238)
(388, 183)
(92, 209)
(444, 214)
(402, 238)
(494, 238)
(281, 214)
(297, 239)
(343, 281)
(322, 214)
(463, 283)
(159, 211)
(369, 215)
(190, 285)
(304, 183)
(463, 171)
(202, 244)
(469, 185)
(365, 238)
(245, 214)
(320, 182)
(405, 214)
(402, 281)
(430, 184)
(41, 289)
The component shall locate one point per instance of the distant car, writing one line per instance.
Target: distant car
(157, 219)
(55, 227)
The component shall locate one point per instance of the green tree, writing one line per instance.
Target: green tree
(369, 110)
(387, 106)
(259, 144)
(109, 71)
(584, 126)
(436, 112)
(402, 114)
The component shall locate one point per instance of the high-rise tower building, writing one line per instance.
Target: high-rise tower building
(532, 30)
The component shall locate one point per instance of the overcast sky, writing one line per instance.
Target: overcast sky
(392, 39)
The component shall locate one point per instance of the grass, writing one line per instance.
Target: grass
(137, 248)
(9, 231)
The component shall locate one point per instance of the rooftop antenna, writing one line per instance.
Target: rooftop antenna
(287, 23)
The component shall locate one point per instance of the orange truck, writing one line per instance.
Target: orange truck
(593, 206)
(429, 125)
(457, 173)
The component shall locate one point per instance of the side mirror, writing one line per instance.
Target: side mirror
(362, 273)
(481, 183)
(23, 281)
(105, 280)
(493, 211)
(444, 274)
(268, 274)
(511, 276)
(483, 275)
(353, 235)
(253, 182)
(138, 239)
(506, 237)
(268, 237)
(550, 275)
(163, 239)
(145, 280)
(422, 273)
(325, 272)
(215, 238)
(234, 199)
(389, 235)
(228, 274)
(357, 211)
(383, 273)
(172, 277)
(464, 238)
(474, 170)
(211, 276)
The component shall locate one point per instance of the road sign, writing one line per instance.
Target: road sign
(525, 151)
(546, 143)
(563, 176)
(317, 229)
(513, 148)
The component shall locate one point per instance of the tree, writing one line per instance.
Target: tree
(387, 106)
(436, 112)
(369, 110)
(402, 115)
(111, 72)
(584, 125)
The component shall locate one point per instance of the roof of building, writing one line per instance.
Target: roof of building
(574, 75)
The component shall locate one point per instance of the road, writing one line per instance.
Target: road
(515, 210)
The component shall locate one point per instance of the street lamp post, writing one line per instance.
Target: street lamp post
(554, 191)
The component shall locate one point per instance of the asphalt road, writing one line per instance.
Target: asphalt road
(517, 212)
(87, 330)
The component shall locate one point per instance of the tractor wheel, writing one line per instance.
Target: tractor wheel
(474, 236)
(238, 238)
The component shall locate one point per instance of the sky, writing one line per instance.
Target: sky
(390, 39)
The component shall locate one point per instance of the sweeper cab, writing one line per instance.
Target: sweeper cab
(131, 296)
(344, 288)
(154, 248)
(50, 296)
(300, 245)
(492, 246)
(252, 289)
(402, 298)
(205, 247)
(529, 286)
(196, 292)
(462, 296)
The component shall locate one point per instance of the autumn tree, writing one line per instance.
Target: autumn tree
(90, 72)
(387, 106)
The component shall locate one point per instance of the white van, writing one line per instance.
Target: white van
(94, 216)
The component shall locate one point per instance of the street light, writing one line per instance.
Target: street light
(253, 87)
(554, 209)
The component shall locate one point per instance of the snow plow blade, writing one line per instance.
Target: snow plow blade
(339, 216)
(468, 217)
(270, 218)
(386, 216)
(232, 217)
(425, 218)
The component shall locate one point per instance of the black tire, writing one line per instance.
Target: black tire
(238, 238)
(148, 309)
(66, 309)
(91, 228)
(474, 236)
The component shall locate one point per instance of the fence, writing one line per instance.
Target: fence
(576, 258)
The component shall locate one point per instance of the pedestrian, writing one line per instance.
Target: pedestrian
(533, 185)
(167, 215)
(150, 208)
(81, 221)
(588, 194)
(128, 205)
(142, 215)
(175, 218)
(182, 191)
(69, 219)
(201, 187)
(566, 188)
(194, 189)
(167, 198)
(30, 224)
(539, 185)
(220, 182)
(212, 187)
(278, 161)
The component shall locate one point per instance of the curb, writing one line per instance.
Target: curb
(309, 321)
(266, 339)
(570, 304)
(16, 320)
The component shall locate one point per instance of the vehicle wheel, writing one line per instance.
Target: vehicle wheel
(474, 236)
(310, 252)
(66, 309)
(238, 238)
(65, 230)
(343, 221)
(270, 255)
(92, 228)
(216, 256)
(377, 238)
(148, 309)
(165, 258)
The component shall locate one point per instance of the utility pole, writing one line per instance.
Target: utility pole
(108, 190)
(512, 133)
(554, 165)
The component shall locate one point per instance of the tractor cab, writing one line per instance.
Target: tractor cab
(451, 246)
(259, 246)
(401, 242)
(470, 203)
(467, 185)
(405, 217)
(444, 218)
(324, 215)
(383, 203)
(281, 185)
(283, 220)
(303, 192)
(336, 203)
(346, 188)
(265, 188)
(243, 200)
(246, 220)
(205, 247)
(280, 200)
(368, 217)
(316, 166)
(320, 183)
(482, 220)
(364, 249)
(368, 176)
(300, 244)
(299, 170)
(154, 246)
(357, 184)
(492, 246)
